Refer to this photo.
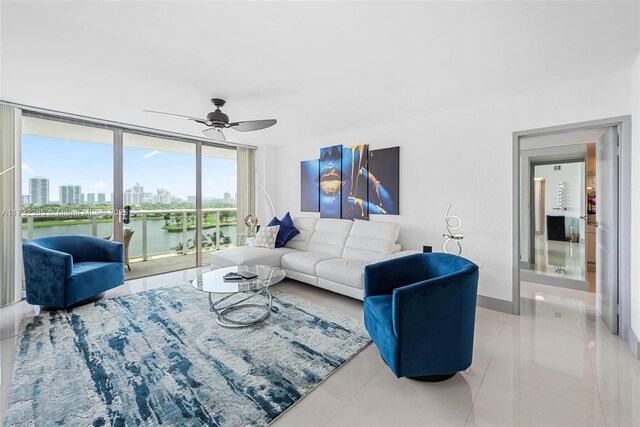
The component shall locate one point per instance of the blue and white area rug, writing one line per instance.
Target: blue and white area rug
(159, 358)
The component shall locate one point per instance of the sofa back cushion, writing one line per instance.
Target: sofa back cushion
(306, 226)
(371, 241)
(330, 236)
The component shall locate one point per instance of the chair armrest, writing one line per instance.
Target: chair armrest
(383, 277)
(431, 306)
(87, 248)
(46, 271)
(110, 251)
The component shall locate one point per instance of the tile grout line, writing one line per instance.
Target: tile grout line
(557, 395)
(552, 393)
(486, 369)
(595, 380)
(352, 397)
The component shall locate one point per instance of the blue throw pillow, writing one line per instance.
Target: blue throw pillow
(287, 230)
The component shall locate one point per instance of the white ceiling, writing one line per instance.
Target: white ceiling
(319, 68)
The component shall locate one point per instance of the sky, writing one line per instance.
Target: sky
(90, 165)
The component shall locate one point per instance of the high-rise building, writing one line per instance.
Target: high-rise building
(191, 200)
(39, 190)
(26, 200)
(227, 197)
(71, 195)
(134, 195)
(102, 198)
(164, 196)
(91, 198)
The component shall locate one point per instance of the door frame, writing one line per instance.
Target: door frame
(623, 123)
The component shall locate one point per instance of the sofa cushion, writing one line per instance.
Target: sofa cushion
(343, 270)
(306, 226)
(287, 230)
(304, 262)
(330, 236)
(371, 241)
(266, 237)
(248, 255)
(90, 278)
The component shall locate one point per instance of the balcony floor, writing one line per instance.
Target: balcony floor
(151, 267)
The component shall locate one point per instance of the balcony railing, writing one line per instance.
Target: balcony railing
(145, 216)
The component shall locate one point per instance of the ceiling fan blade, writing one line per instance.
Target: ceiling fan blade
(195, 119)
(214, 133)
(250, 125)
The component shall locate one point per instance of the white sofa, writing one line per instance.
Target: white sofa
(328, 253)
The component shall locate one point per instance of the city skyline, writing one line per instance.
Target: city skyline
(90, 165)
(72, 194)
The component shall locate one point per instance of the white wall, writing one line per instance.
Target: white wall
(635, 201)
(464, 156)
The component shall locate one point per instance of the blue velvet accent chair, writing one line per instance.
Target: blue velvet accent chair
(61, 271)
(420, 311)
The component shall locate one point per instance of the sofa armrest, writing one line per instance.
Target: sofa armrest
(46, 271)
(383, 277)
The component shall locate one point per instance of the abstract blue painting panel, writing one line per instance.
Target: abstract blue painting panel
(310, 186)
(331, 181)
(384, 181)
(355, 182)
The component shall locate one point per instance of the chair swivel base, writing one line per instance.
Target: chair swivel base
(433, 378)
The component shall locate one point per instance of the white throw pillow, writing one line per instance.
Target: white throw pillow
(266, 237)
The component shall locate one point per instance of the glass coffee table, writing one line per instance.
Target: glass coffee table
(213, 282)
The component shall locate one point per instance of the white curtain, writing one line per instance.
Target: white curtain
(246, 161)
(10, 253)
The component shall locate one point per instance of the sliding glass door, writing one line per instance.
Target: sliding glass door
(159, 187)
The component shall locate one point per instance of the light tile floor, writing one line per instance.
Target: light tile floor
(556, 364)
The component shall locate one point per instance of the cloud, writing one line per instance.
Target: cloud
(26, 168)
(99, 185)
(150, 155)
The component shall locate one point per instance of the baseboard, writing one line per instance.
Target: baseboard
(634, 343)
(529, 276)
(495, 304)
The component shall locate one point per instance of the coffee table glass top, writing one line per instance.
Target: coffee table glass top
(213, 281)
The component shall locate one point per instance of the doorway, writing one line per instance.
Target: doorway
(557, 230)
(558, 191)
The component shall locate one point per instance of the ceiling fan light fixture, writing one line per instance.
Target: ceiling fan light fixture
(214, 133)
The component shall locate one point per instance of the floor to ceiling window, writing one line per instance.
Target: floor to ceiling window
(70, 185)
(67, 179)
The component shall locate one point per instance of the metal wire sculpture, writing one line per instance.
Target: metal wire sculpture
(452, 222)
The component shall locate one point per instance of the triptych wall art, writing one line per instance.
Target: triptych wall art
(351, 182)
